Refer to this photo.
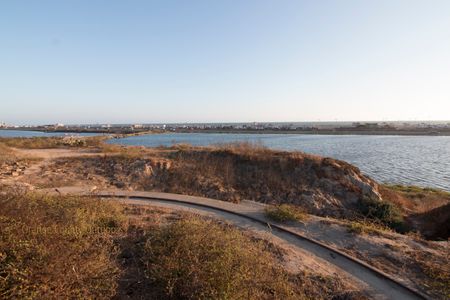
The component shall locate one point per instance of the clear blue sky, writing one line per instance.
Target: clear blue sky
(213, 61)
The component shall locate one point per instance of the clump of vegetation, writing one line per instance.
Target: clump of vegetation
(415, 199)
(418, 191)
(244, 148)
(53, 142)
(195, 258)
(436, 270)
(285, 213)
(199, 259)
(61, 247)
(366, 227)
(382, 211)
(126, 151)
(6, 154)
(425, 209)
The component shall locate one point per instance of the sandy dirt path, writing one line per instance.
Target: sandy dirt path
(46, 156)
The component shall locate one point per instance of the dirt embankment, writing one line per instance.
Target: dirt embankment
(323, 186)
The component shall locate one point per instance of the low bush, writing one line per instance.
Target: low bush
(362, 227)
(285, 213)
(198, 259)
(382, 211)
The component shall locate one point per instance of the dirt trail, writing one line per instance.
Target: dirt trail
(46, 156)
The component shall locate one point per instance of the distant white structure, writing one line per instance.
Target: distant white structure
(53, 126)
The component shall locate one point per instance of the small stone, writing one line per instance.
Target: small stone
(148, 170)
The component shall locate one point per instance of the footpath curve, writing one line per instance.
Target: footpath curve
(385, 286)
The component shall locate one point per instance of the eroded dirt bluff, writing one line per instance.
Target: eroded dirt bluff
(323, 186)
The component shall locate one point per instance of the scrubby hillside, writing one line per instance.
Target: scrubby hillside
(322, 186)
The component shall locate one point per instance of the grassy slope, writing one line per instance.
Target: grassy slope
(57, 247)
(52, 142)
(70, 247)
(426, 210)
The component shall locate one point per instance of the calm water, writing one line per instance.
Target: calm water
(413, 160)
(23, 133)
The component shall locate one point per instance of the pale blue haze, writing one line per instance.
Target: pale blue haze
(220, 61)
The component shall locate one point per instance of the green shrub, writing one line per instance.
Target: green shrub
(384, 212)
(285, 213)
(361, 227)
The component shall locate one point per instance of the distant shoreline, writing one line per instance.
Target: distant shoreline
(323, 132)
(127, 132)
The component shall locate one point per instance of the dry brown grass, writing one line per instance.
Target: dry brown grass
(6, 154)
(244, 171)
(61, 247)
(127, 151)
(197, 258)
(52, 142)
(415, 199)
(57, 247)
(426, 209)
(437, 272)
(243, 148)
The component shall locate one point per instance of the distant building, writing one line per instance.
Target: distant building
(53, 126)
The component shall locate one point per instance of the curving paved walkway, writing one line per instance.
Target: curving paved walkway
(250, 215)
